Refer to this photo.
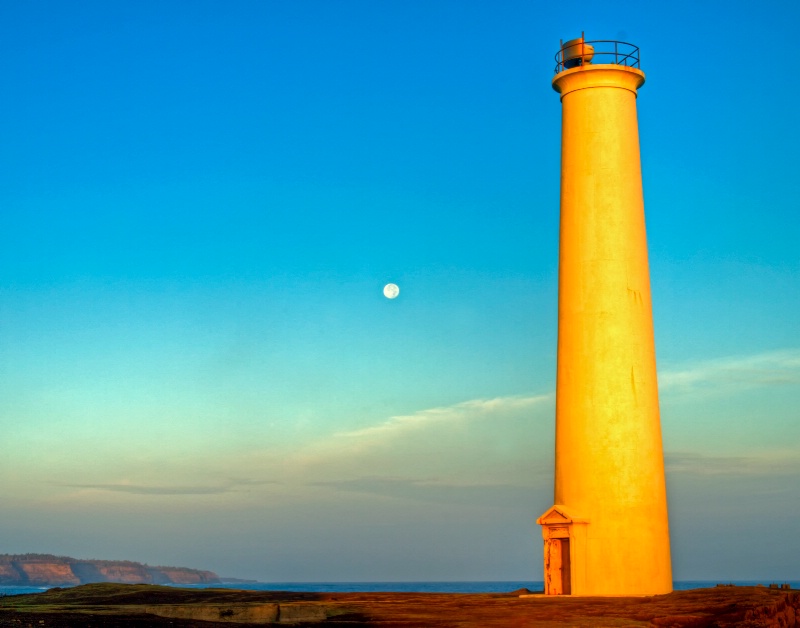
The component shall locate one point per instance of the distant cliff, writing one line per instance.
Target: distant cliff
(47, 570)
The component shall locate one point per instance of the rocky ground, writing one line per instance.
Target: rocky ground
(115, 606)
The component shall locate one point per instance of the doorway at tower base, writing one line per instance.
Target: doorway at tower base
(564, 537)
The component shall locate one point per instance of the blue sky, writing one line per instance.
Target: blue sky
(201, 202)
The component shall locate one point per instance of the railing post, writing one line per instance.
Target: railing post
(583, 41)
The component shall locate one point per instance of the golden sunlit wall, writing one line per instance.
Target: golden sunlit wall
(607, 533)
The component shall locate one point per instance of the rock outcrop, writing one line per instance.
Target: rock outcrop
(47, 570)
(233, 613)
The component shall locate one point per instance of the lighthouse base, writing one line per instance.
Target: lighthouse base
(586, 559)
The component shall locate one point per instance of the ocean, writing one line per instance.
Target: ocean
(492, 586)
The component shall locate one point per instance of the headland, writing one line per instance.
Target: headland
(47, 570)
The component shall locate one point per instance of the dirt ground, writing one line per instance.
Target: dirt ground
(116, 606)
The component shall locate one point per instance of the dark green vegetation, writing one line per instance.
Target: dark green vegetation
(114, 605)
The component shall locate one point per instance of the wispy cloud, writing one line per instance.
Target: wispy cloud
(437, 490)
(465, 411)
(775, 368)
(477, 442)
(487, 444)
(152, 489)
(780, 463)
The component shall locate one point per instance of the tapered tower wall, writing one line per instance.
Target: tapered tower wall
(609, 474)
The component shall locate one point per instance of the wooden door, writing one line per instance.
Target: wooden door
(558, 572)
(566, 568)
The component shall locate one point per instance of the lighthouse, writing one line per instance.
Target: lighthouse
(607, 532)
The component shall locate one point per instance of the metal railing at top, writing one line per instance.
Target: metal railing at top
(578, 52)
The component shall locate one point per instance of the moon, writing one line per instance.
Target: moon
(391, 290)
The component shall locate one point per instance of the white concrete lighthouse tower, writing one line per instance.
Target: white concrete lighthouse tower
(607, 532)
